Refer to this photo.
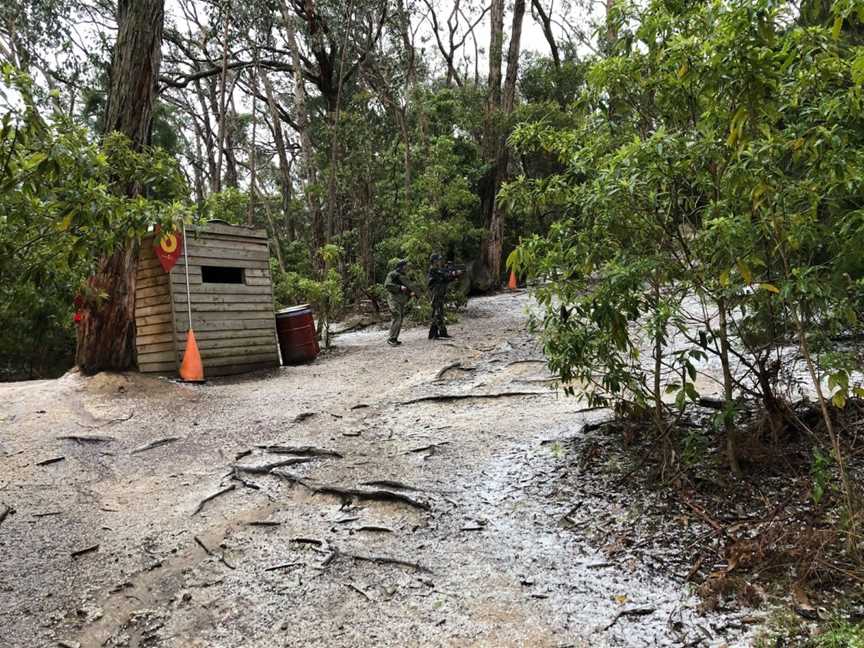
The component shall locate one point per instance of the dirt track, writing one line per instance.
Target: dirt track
(490, 563)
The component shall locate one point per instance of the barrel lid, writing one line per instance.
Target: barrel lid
(293, 309)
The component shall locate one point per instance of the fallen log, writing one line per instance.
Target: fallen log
(209, 498)
(380, 495)
(158, 443)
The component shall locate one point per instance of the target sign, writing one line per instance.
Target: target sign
(168, 248)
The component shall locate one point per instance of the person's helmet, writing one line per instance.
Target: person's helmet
(401, 263)
(434, 258)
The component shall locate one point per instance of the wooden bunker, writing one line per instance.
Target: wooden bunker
(232, 303)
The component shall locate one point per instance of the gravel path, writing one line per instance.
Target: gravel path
(435, 522)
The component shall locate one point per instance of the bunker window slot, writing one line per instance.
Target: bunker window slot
(222, 275)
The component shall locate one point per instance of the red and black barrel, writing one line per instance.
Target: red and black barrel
(295, 328)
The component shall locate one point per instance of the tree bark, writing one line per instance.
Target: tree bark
(106, 334)
(495, 240)
(282, 154)
(308, 162)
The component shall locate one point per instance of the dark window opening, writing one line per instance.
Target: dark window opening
(220, 274)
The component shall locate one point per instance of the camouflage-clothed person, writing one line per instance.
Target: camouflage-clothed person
(439, 279)
(398, 295)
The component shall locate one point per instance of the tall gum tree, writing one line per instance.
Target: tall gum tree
(106, 335)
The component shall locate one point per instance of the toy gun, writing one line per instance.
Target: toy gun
(453, 271)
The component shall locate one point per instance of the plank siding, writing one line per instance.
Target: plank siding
(234, 324)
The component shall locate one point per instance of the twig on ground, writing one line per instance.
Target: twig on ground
(48, 462)
(638, 611)
(303, 416)
(237, 476)
(385, 560)
(389, 483)
(431, 447)
(446, 398)
(283, 566)
(381, 495)
(82, 440)
(302, 451)
(266, 469)
(358, 590)
(155, 444)
(213, 554)
(85, 550)
(204, 501)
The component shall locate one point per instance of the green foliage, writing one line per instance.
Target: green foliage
(324, 295)
(720, 158)
(63, 205)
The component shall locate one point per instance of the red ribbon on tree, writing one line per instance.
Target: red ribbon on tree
(168, 248)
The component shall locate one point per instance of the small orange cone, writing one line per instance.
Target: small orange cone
(512, 283)
(191, 370)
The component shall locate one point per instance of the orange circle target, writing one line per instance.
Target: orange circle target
(168, 244)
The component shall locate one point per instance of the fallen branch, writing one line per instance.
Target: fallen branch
(236, 476)
(267, 469)
(85, 550)
(264, 523)
(201, 504)
(283, 566)
(389, 483)
(48, 462)
(381, 495)
(528, 361)
(446, 398)
(303, 451)
(358, 590)
(359, 406)
(384, 560)
(638, 611)
(155, 444)
(83, 440)
(430, 447)
(303, 416)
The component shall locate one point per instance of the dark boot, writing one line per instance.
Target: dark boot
(433, 332)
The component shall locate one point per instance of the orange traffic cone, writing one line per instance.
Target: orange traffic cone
(191, 370)
(512, 283)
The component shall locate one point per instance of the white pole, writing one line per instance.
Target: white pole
(186, 263)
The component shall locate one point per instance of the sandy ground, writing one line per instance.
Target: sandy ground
(473, 554)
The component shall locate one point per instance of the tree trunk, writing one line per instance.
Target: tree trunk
(106, 335)
(495, 241)
(728, 423)
(282, 153)
(308, 165)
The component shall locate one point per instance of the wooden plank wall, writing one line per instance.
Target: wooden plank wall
(234, 324)
(154, 318)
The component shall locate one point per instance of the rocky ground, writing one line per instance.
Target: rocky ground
(426, 498)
